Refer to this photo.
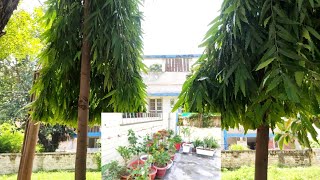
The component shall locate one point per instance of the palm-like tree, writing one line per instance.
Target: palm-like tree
(261, 63)
(93, 54)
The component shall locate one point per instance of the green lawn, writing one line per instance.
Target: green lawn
(54, 176)
(274, 173)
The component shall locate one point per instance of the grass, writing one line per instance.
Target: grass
(274, 173)
(65, 175)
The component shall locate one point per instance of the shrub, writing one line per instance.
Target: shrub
(40, 148)
(11, 139)
(98, 159)
(237, 147)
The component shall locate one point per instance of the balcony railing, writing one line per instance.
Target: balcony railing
(137, 118)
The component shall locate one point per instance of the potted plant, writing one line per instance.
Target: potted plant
(186, 147)
(135, 148)
(171, 149)
(126, 154)
(177, 141)
(197, 143)
(208, 148)
(145, 171)
(113, 171)
(161, 159)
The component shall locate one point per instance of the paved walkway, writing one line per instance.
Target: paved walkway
(195, 167)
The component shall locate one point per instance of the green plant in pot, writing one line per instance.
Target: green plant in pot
(186, 147)
(136, 149)
(210, 143)
(126, 154)
(177, 141)
(161, 159)
(171, 149)
(145, 171)
(197, 143)
(208, 148)
(112, 170)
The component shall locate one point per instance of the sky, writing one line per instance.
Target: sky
(171, 27)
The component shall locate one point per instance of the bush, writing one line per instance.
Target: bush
(98, 159)
(11, 139)
(40, 148)
(237, 147)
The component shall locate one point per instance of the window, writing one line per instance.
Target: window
(93, 142)
(155, 105)
(177, 65)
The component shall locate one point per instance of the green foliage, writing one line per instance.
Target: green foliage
(177, 139)
(315, 144)
(111, 171)
(22, 35)
(10, 139)
(197, 143)
(186, 131)
(261, 63)
(40, 148)
(275, 173)
(15, 83)
(142, 172)
(125, 153)
(209, 142)
(155, 68)
(161, 158)
(51, 135)
(116, 85)
(98, 159)
(237, 147)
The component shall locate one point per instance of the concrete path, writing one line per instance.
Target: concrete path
(195, 167)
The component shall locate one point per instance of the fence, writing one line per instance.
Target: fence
(45, 162)
(136, 118)
(290, 158)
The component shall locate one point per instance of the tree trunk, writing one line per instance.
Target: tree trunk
(83, 104)
(261, 162)
(6, 9)
(29, 145)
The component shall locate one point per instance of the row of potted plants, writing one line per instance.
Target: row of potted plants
(145, 159)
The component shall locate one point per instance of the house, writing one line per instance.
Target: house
(164, 81)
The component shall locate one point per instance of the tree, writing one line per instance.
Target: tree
(6, 9)
(261, 63)
(102, 40)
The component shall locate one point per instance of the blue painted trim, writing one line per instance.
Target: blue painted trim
(171, 56)
(94, 134)
(225, 139)
(163, 94)
(91, 134)
(246, 135)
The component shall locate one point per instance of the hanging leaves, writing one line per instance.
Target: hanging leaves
(116, 60)
(274, 63)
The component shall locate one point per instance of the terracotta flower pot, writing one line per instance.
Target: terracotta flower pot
(178, 146)
(161, 171)
(152, 173)
(135, 164)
